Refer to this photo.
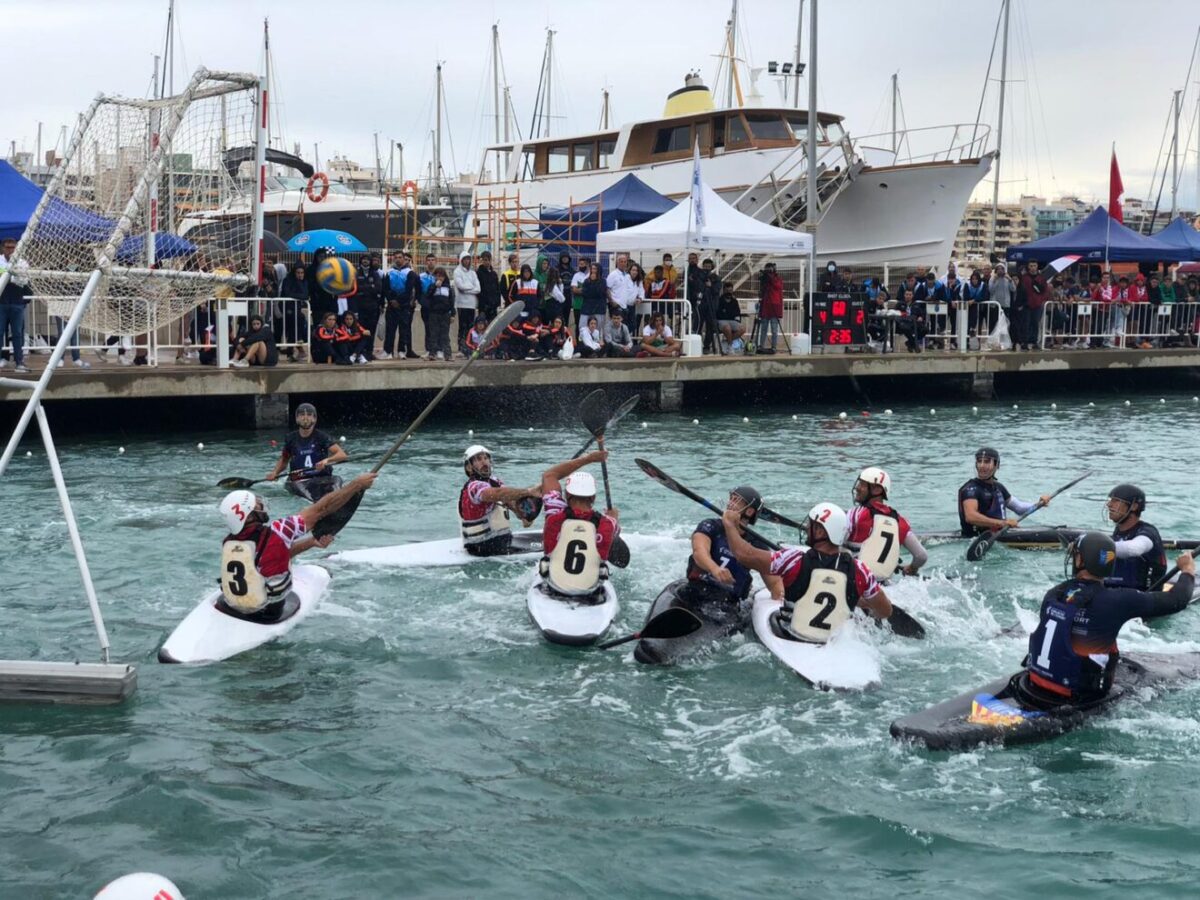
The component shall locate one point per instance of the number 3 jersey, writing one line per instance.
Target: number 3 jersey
(273, 554)
(558, 512)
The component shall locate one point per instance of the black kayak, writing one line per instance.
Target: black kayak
(1044, 538)
(720, 617)
(1001, 712)
(314, 488)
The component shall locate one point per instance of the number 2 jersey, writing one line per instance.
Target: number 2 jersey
(788, 564)
(557, 512)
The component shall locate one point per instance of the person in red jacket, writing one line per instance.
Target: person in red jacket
(770, 308)
(1035, 292)
(576, 537)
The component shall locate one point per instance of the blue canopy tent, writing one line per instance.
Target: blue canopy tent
(628, 202)
(1096, 239)
(1184, 237)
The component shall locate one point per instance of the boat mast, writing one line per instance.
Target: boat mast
(604, 110)
(799, 67)
(895, 103)
(811, 137)
(1174, 162)
(378, 168)
(730, 45)
(1000, 123)
(437, 135)
(496, 77)
(549, 78)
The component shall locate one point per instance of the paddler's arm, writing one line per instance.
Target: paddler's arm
(309, 542)
(879, 605)
(507, 495)
(1134, 547)
(552, 477)
(971, 513)
(1021, 508)
(702, 554)
(919, 557)
(279, 466)
(336, 455)
(1163, 603)
(336, 499)
(747, 554)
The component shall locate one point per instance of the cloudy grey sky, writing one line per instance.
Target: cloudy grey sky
(1085, 72)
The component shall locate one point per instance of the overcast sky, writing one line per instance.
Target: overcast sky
(1085, 72)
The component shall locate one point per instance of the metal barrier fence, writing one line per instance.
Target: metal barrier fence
(1118, 325)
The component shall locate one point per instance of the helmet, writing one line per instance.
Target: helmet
(471, 452)
(876, 475)
(238, 506)
(306, 409)
(749, 496)
(1098, 554)
(830, 517)
(580, 484)
(139, 886)
(988, 453)
(1130, 494)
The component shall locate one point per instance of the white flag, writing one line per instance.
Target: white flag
(697, 195)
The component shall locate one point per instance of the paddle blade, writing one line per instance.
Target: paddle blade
(337, 520)
(658, 474)
(769, 515)
(623, 410)
(234, 483)
(501, 322)
(619, 554)
(675, 622)
(905, 625)
(593, 412)
(979, 547)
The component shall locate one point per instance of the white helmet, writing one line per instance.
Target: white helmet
(237, 508)
(580, 484)
(473, 451)
(140, 886)
(832, 518)
(876, 475)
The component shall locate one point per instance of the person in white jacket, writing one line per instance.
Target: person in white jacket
(466, 299)
(591, 339)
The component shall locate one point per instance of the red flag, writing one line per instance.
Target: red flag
(1116, 189)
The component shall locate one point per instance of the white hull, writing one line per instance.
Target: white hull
(846, 663)
(208, 635)
(565, 621)
(431, 554)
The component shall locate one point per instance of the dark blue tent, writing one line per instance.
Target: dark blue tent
(19, 197)
(1096, 239)
(629, 201)
(1184, 237)
(166, 246)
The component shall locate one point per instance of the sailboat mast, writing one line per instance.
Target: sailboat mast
(549, 80)
(1174, 162)
(437, 135)
(1000, 123)
(895, 103)
(496, 77)
(798, 68)
(811, 137)
(731, 45)
(604, 111)
(378, 168)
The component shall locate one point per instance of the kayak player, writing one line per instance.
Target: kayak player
(877, 531)
(1073, 652)
(1141, 558)
(576, 538)
(256, 568)
(983, 500)
(712, 569)
(309, 455)
(820, 586)
(484, 504)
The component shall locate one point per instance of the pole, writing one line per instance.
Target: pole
(895, 97)
(496, 77)
(316, 156)
(799, 44)
(37, 153)
(811, 137)
(604, 111)
(437, 138)
(378, 168)
(260, 178)
(1174, 163)
(731, 37)
(549, 79)
(152, 206)
(1000, 123)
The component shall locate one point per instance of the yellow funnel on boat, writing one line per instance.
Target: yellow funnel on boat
(693, 97)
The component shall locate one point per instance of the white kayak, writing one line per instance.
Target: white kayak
(526, 545)
(571, 620)
(211, 633)
(846, 663)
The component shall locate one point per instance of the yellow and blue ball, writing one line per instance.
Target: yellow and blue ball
(335, 275)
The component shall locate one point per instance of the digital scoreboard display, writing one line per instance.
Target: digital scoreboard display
(838, 320)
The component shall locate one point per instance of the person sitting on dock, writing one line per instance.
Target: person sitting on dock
(352, 339)
(475, 339)
(617, 336)
(575, 566)
(256, 346)
(658, 339)
(324, 342)
(591, 340)
(484, 504)
(256, 555)
(982, 501)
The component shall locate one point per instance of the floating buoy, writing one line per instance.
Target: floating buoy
(887, 412)
(745, 420)
(120, 449)
(933, 412)
(796, 418)
(1054, 406)
(975, 410)
(1090, 403)
(29, 453)
(1161, 400)
(1195, 399)
(695, 421)
(866, 414)
(1127, 403)
(1015, 406)
(644, 425)
(841, 415)
(274, 443)
(531, 428)
(470, 431)
(200, 446)
(342, 439)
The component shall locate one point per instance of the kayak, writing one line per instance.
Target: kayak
(997, 714)
(719, 617)
(525, 545)
(576, 621)
(314, 488)
(1044, 538)
(845, 663)
(213, 632)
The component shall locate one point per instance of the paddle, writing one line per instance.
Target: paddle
(769, 515)
(675, 622)
(623, 410)
(336, 521)
(902, 623)
(234, 483)
(983, 543)
(593, 412)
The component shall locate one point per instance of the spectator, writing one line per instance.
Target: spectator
(325, 348)
(926, 294)
(541, 273)
(909, 282)
(352, 338)
(620, 287)
(554, 338)
(1035, 292)
(533, 331)
(594, 296)
(577, 281)
(369, 301)
(591, 339)
(770, 308)
(668, 269)
(475, 339)
(293, 329)
(950, 293)
(12, 310)
(526, 288)
(639, 306)
(1121, 313)
(833, 281)
(617, 336)
(693, 277)
(913, 322)
(710, 299)
(554, 302)
(319, 301)
(255, 345)
(441, 311)
(490, 296)
(729, 319)
(874, 308)
(513, 344)
(281, 270)
(509, 276)
(466, 298)
(661, 288)
(402, 293)
(1001, 289)
(428, 275)
(658, 339)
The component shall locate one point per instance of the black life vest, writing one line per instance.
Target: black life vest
(814, 560)
(1053, 663)
(1140, 571)
(990, 497)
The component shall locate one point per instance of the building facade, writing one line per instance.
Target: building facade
(972, 244)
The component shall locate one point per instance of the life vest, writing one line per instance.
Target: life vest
(574, 567)
(990, 500)
(723, 556)
(305, 452)
(880, 551)
(820, 599)
(493, 524)
(243, 587)
(1053, 664)
(1140, 571)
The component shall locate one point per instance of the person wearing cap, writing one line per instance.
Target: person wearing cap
(575, 566)
(484, 504)
(713, 571)
(466, 298)
(982, 501)
(309, 455)
(1073, 651)
(368, 302)
(1141, 557)
(877, 531)
(820, 586)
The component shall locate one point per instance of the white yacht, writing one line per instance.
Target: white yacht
(883, 199)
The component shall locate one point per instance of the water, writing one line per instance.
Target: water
(416, 737)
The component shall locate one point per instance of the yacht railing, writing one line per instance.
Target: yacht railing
(947, 143)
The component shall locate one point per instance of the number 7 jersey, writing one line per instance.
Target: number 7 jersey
(876, 533)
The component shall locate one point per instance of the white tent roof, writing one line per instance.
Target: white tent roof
(724, 229)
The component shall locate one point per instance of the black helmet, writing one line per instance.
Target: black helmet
(1131, 494)
(1098, 554)
(988, 453)
(751, 497)
(306, 408)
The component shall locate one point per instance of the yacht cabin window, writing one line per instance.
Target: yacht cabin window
(558, 159)
(768, 127)
(607, 148)
(673, 139)
(737, 131)
(583, 157)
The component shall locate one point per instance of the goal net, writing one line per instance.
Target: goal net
(120, 208)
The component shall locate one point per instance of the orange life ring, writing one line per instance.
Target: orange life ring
(409, 187)
(312, 182)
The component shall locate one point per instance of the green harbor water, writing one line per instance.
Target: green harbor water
(417, 738)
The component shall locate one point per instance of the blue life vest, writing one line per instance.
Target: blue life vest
(1053, 662)
(723, 556)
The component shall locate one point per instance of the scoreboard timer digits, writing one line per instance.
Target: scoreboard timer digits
(838, 320)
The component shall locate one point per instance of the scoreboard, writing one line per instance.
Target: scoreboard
(838, 320)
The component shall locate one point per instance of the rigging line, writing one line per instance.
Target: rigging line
(987, 76)
(449, 136)
(1041, 106)
(904, 119)
(537, 99)
(1161, 145)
